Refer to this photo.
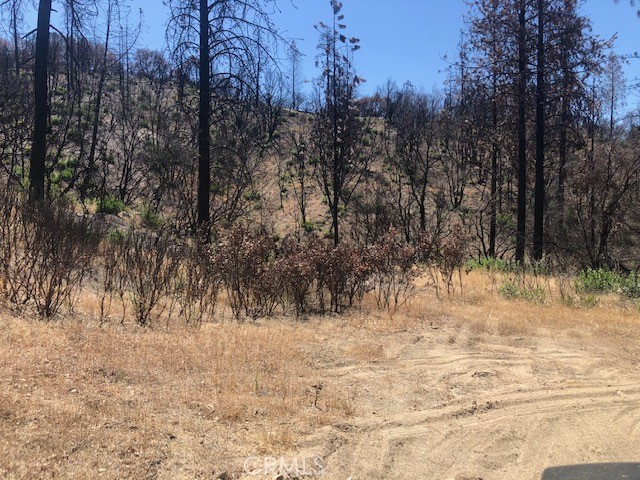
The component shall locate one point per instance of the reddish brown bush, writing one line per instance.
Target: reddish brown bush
(249, 270)
(452, 254)
(197, 285)
(394, 269)
(298, 272)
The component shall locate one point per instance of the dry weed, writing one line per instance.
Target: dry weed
(83, 401)
(366, 352)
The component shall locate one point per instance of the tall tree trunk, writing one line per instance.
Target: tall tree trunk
(204, 110)
(562, 172)
(303, 198)
(335, 218)
(422, 199)
(91, 163)
(41, 104)
(592, 194)
(336, 180)
(522, 133)
(603, 242)
(493, 214)
(538, 219)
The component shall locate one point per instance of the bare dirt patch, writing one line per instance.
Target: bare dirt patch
(496, 402)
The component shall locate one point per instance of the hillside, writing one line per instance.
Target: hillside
(214, 265)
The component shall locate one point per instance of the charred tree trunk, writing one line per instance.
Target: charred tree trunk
(97, 107)
(538, 214)
(493, 208)
(204, 138)
(562, 172)
(16, 38)
(335, 150)
(522, 134)
(41, 98)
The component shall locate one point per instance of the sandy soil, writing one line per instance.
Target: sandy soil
(441, 395)
(479, 402)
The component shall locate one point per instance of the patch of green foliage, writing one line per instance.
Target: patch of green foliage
(110, 204)
(630, 286)
(150, 218)
(600, 281)
(512, 289)
(491, 264)
(309, 226)
(597, 280)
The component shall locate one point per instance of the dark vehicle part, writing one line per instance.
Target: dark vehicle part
(600, 471)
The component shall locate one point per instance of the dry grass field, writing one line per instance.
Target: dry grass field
(460, 387)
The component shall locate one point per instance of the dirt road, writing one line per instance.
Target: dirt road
(454, 402)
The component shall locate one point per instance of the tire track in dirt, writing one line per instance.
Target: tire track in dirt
(508, 412)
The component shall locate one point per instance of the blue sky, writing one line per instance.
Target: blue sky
(405, 40)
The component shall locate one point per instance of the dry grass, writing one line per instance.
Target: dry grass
(366, 352)
(81, 401)
(481, 302)
(84, 401)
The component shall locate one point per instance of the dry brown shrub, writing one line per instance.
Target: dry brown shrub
(150, 265)
(247, 264)
(47, 252)
(394, 271)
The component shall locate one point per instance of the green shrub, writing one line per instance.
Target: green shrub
(589, 301)
(491, 264)
(630, 286)
(309, 226)
(111, 205)
(511, 289)
(598, 281)
(568, 300)
(150, 218)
